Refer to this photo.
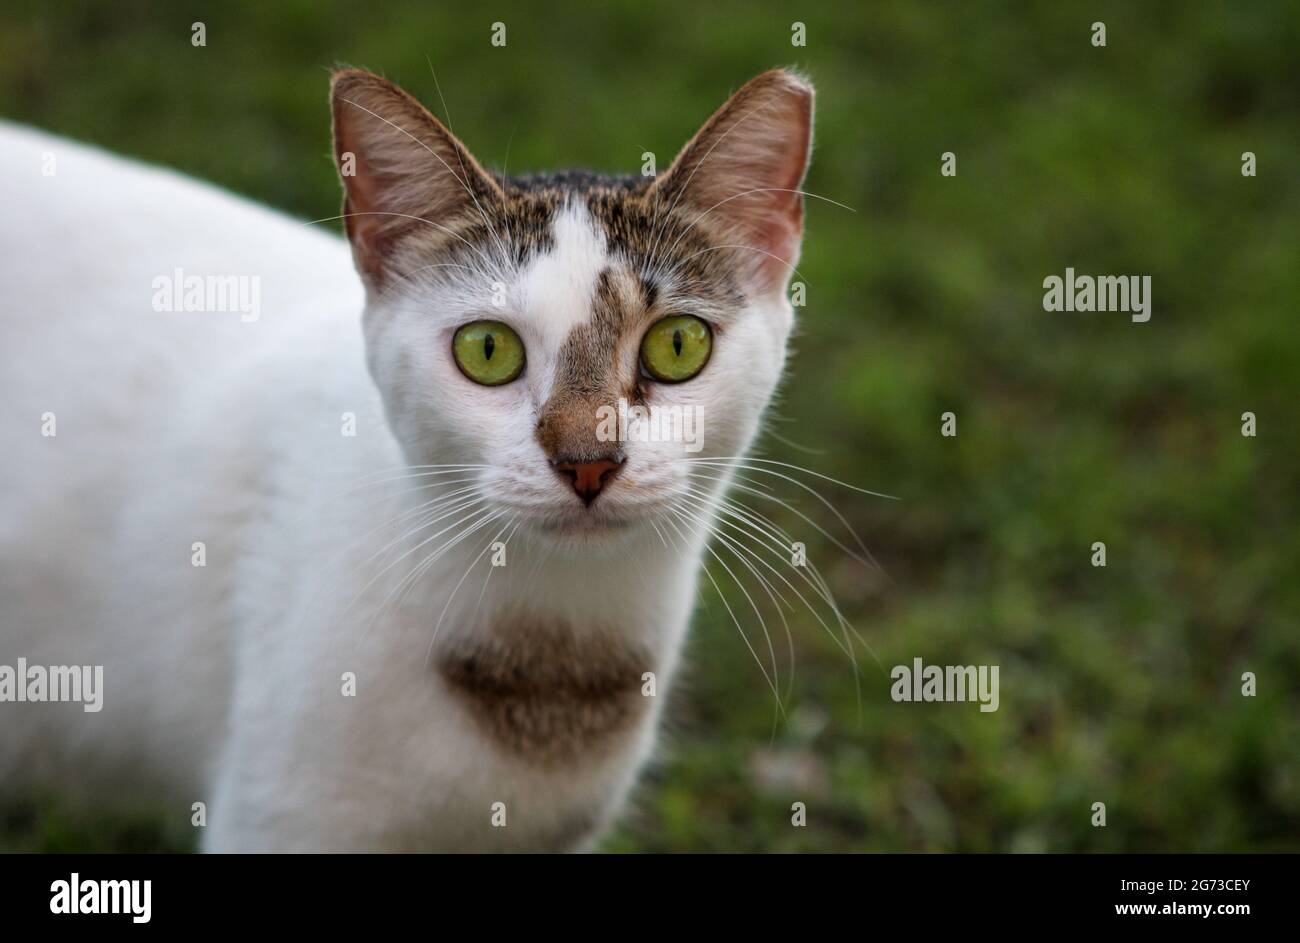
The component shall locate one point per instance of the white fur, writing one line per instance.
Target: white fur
(222, 684)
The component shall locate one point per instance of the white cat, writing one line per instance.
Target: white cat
(275, 525)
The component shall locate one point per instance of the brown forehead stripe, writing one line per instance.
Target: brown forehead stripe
(596, 367)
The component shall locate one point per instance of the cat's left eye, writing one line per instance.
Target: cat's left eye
(488, 352)
(676, 348)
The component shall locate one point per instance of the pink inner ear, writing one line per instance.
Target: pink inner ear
(747, 163)
(782, 241)
(778, 224)
(362, 199)
(362, 229)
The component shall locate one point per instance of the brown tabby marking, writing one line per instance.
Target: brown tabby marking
(543, 692)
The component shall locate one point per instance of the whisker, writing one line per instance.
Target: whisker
(771, 255)
(423, 268)
(763, 527)
(776, 693)
(513, 524)
(866, 559)
(505, 253)
(419, 219)
(434, 511)
(412, 550)
(740, 460)
(772, 592)
(442, 615)
(699, 519)
(429, 506)
(781, 549)
(736, 196)
(412, 577)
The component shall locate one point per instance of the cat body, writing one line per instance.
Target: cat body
(343, 595)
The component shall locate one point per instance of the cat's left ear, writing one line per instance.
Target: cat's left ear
(403, 172)
(742, 170)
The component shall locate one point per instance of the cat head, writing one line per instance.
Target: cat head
(575, 340)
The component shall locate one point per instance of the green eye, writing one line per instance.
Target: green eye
(488, 352)
(676, 348)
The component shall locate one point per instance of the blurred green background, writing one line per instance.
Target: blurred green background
(1119, 685)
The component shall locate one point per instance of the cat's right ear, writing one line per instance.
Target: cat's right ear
(402, 170)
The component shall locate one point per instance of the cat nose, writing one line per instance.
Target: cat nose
(588, 478)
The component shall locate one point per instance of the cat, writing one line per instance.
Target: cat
(376, 586)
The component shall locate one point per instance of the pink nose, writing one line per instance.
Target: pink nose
(588, 478)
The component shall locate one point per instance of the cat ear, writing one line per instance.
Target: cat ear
(741, 169)
(402, 170)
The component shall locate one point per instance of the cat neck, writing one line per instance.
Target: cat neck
(558, 652)
(638, 585)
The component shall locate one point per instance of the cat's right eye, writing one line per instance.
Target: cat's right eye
(488, 352)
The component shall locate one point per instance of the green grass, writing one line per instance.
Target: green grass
(1119, 685)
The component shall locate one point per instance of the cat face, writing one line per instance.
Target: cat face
(574, 340)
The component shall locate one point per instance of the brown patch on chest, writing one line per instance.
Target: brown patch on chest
(546, 693)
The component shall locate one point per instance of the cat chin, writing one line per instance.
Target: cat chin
(584, 524)
(584, 530)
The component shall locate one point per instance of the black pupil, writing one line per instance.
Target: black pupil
(489, 345)
(677, 342)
